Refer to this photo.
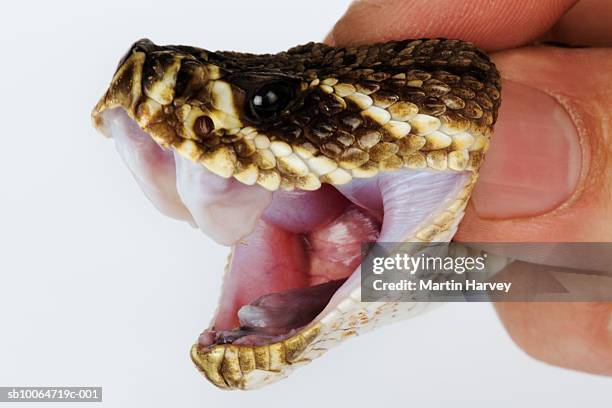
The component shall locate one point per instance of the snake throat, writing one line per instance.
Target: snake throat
(296, 159)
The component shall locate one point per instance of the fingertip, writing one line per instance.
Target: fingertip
(490, 25)
(587, 23)
(576, 336)
(518, 181)
(546, 177)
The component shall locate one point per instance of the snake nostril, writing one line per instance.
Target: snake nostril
(203, 126)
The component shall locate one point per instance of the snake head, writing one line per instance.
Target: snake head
(382, 143)
(314, 114)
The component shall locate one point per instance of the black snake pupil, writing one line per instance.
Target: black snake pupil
(270, 99)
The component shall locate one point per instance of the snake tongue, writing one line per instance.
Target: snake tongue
(288, 309)
(276, 314)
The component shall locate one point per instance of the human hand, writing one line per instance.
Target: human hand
(547, 177)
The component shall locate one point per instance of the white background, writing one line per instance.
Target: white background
(98, 289)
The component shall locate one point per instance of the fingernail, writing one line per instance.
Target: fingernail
(534, 161)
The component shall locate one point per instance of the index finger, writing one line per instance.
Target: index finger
(491, 25)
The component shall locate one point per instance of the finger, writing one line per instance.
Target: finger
(491, 25)
(587, 23)
(546, 177)
(152, 167)
(575, 335)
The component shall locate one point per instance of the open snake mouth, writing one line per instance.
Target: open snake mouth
(286, 271)
(296, 254)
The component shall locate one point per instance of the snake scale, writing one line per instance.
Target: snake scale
(311, 115)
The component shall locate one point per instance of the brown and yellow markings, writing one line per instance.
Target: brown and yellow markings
(228, 365)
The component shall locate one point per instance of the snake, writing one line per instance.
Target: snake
(303, 118)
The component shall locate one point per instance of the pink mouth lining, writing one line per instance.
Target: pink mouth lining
(279, 280)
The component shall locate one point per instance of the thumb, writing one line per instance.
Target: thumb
(548, 177)
(547, 174)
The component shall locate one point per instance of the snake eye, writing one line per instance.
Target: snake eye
(270, 99)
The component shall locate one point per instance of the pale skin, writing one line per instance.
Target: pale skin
(548, 174)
